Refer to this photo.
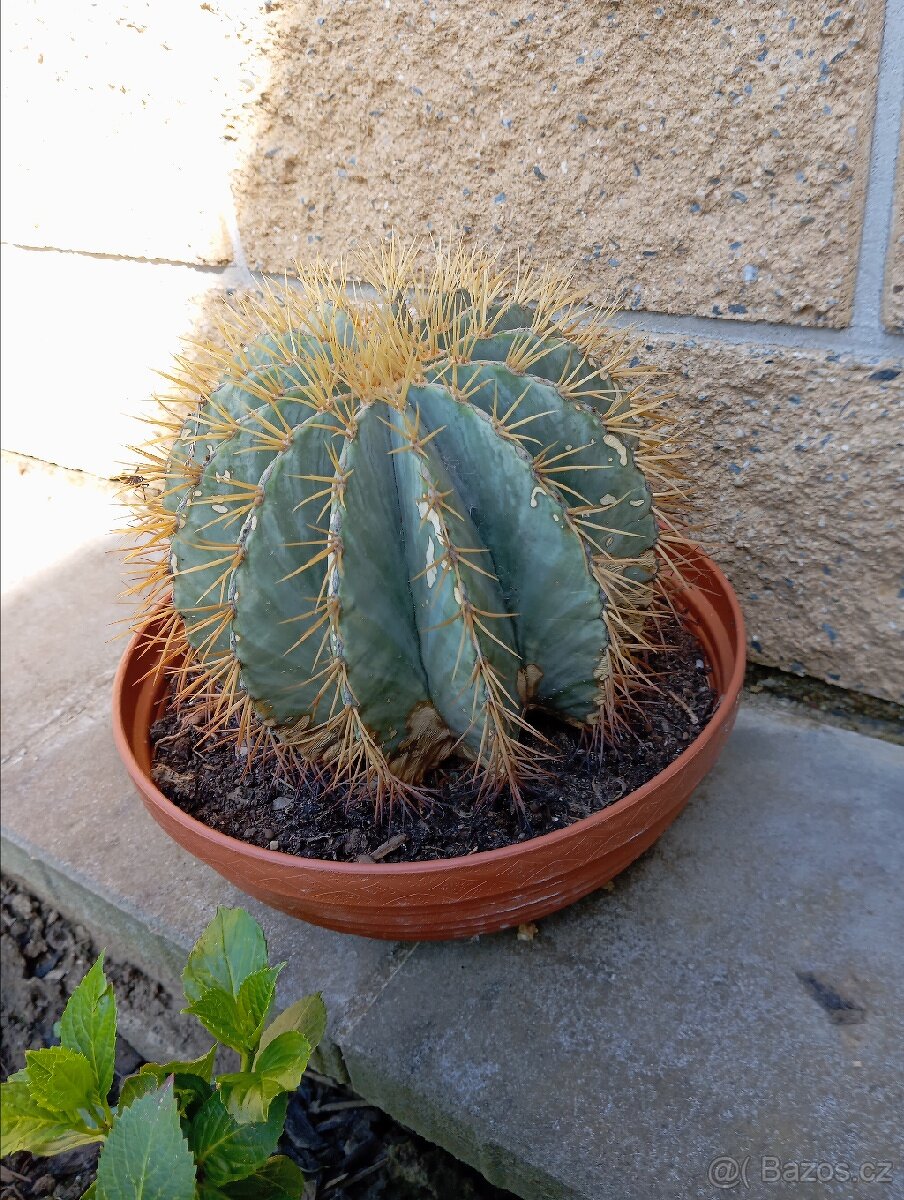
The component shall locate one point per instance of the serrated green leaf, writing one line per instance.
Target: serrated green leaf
(231, 948)
(255, 1000)
(248, 1096)
(62, 1080)
(277, 1068)
(26, 1125)
(278, 1179)
(134, 1087)
(91, 1193)
(237, 1021)
(284, 1059)
(307, 1016)
(191, 1090)
(226, 1150)
(217, 1011)
(88, 1025)
(202, 1066)
(145, 1156)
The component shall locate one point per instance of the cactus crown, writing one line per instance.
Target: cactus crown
(386, 521)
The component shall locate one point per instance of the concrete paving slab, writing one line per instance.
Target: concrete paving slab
(738, 993)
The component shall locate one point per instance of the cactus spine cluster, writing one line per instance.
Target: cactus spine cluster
(387, 521)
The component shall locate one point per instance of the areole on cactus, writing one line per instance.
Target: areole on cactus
(389, 520)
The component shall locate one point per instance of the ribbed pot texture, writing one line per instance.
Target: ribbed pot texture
(452, 897)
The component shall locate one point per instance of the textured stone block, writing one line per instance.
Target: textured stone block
(696, 158)
(893, 307)
(85, 339)
(796, 463)
(113, 126)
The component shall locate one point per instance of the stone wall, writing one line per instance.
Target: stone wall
(725, 170)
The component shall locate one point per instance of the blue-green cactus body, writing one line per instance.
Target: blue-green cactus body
(432, 560)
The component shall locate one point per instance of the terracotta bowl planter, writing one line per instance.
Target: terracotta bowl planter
(453, 897)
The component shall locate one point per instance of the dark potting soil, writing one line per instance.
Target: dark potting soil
(212, 783)
(347, 1149)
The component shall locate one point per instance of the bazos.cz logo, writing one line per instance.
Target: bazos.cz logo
(725, 1172)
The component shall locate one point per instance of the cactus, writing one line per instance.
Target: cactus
(389, 526)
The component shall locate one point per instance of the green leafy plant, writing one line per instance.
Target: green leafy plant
(177, 1130)
(385, 526)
